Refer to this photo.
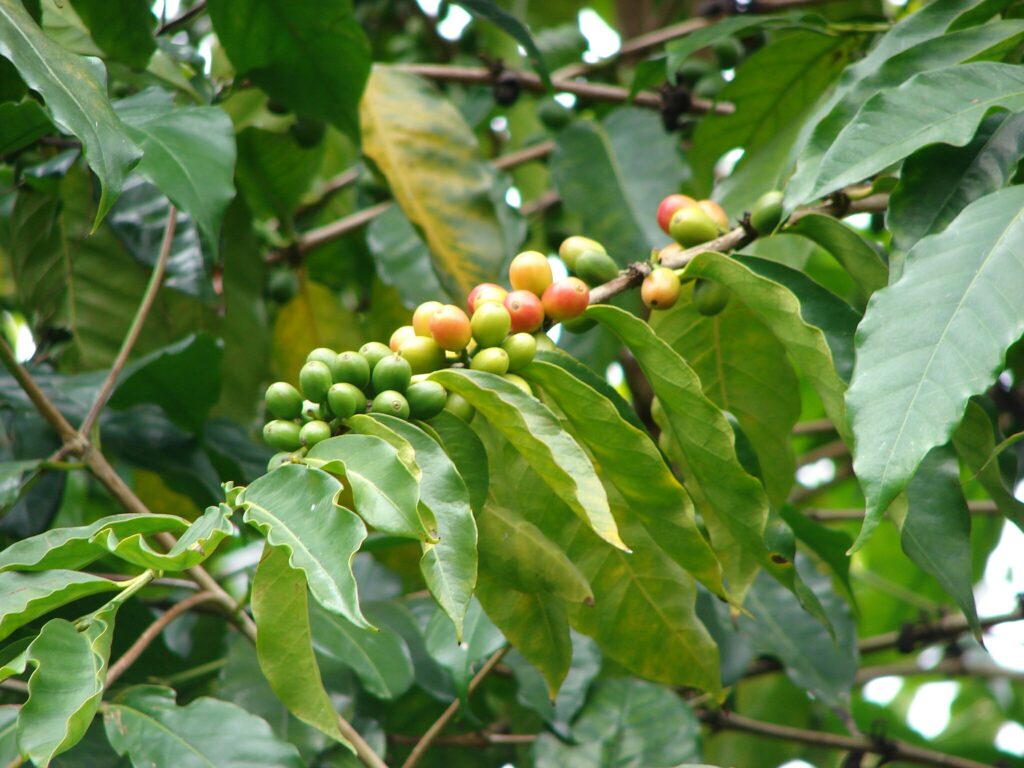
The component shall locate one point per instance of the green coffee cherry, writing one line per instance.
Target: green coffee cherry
(426, 399)
(573, 247)
(374, 352)
(314, 380)
(423, 353)
(283, 400)
(491, 360)
(282, 435)
(709, 298)
(344, 400)
(728, 51)
(767, 212)
(544, 342)
(314, 432)
(352, 367)
(520, 382)
(520, 348)
(491, 324)
(391, 372)
(326, 356)
(459, 406)
(596, 267)
(392, 403)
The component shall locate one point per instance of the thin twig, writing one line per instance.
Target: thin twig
(185, 18)
(439, 725)
(800, 495)
(916, 636)
(822, 515)
(525, 155)
(148, 298)
(954, 666)
(832, 450)
(478, 739)
(152, 632)
(814, 427)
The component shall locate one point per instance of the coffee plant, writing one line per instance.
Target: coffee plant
(485, 383)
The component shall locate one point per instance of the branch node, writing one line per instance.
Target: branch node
(748, 226)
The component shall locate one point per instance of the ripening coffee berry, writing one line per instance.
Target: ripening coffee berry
(393, 372)
(566, 299)
(520, 382)
(660, 289)
(669, 252)
(691, 226)
(421, 317)
(491, 360)
(401, 334)
(491, 324)
(531, 272)
(767, 212)
(520, 348)
(484, 293)
(572, 247)
(423, 353)
(716, 213)
(314, 432)
(525, 310)
(426, 399)
(344, 401)
(709, 298)
(314, 380)
(374, 352)
(451, 328)
(459, 406)
(352, 367)
(392, 403)
(283, 400)
(596, 267)
(668, 207)
(282, 435)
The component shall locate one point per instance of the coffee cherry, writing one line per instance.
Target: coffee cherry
(374, 352)
(525, 310)
(520, 348)
(450, 328)
(283, 400)
(728, 51)
(709, 298)
(491, 324)
(660, 289)
(401, 334)
(282, 435)
(670, 251)
(716, 212)
(520, 382)
(566, 299)
(691, 226)
(392, 403)
(314, 432)
(278, 459)
(544, 342)
(531, 272)
(767, 212)
(572, 247)
(459, 406)
(423, 353)
(491, 360)
(344, 400)
(314, 380)
(352, 367)
(426, 399)
(484, 293)
(596, 267)
(391, 373)
(421, 317)
(668, 207)
(326, 356)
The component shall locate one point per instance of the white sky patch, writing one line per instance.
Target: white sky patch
(567, 100)
(499, 124)
(929, 711)
(452, 26)
(882, 690)
(166, 9)
(555, 333)
(602, 40)
(24, 344)
(796, 764)
(206, 51)
(614, 375)
(728, 75)
(817, 473)
(430, 6)
(1010, 738)
(558, 270)
(859, 221)
(1006, 379)
(997, 593)
(514, 197)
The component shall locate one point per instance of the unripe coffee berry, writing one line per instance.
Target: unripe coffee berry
(691, 226)
(326, 356)
(421, 317)
(520, 382)
(660, 289)
(716, 213)
(573, 247)
(491, 360)
(767, 212)
(344, 400)
(459, 406)
(530, 271)
(423, 353)
(491, 324)
(374, 352)
(351, 367)
(401, 334)
(450, 328)
(426, 399)
(521, 348)
(314, 432)
(709, 298)
(391, 373)
(525, 310)
(566, 299)
(282, 435)
(391, 403)
(283, 400)
(668, 207)
(314, 380)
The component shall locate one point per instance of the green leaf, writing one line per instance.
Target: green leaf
(189, 153)
(535, 432)
(146, 724)
(975, 441)
(629, 459)
(941, 106)
(75, 93)
(384, 491)
(743, 370)
(14, 658)
(479, 640)
(613, 175)
(827, 543)
(807, 335)
(680, 50)
(534, 623)
(66, 686)
(623, 725)
(315, 317)
(122, 28)
(919, 353)
(21, 123)
(197, 543)
(432, 163)
(294, 507)
(75, 546)
(853, 252)
(26, 596)
(403, 259)
(594, 381)
(274, 171)
(449, 567)
(310, 55)
(732, 503)
(284, 642)
(8, 732)
(935, 528)
(379, 659)
(937, 182)
(510, 25)
(183, 379)
(466, 452)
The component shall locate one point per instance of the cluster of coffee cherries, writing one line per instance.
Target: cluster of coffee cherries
(499, 334)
